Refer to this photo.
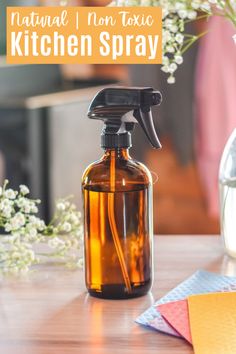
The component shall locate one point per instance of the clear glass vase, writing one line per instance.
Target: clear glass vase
(227, 183)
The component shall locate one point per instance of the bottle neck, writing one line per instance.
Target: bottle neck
(117, 153)
(116, 140)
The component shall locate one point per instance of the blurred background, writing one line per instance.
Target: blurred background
(46, 141)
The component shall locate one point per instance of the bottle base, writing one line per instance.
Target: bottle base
(119, 292)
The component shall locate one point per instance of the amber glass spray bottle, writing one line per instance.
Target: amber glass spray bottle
(117, 196)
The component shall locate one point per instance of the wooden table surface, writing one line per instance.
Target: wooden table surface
(50, 311)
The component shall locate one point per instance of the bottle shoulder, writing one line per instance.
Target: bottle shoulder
(129, 175)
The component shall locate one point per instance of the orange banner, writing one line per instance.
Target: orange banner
(95, 35)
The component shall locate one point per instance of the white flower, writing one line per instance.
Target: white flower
(33, 208)
(63, 2)
(33, 219)
(166, 36)
(24, 189)
(10, 194)
(74, 242)
(15, 255)
(17, 221)
(165, 13)
(60, 206)
(168, 22)
(24, 204)
(24, 269)
(66, 227)
(165, 60)
(8, 227)
(179, 38)
(29, 255)
(178, 59)
(170, 49)
(165, 69)
(79, 233)
(32, 232)
(233, 4)
(205, 7)
(196, 4)
(179, 6)
(174, 28)
(145, 3)
(25, 230)
(172, 67)
(171, 80)
(68, 243)
(80, 263)
(7, 211)
(41, 225)
(56, 242)
(192, 15)
(183, 14)
(74, 219)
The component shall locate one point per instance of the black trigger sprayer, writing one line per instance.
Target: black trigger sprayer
(117, 195)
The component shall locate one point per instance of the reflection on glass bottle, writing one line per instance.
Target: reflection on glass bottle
(227, 183)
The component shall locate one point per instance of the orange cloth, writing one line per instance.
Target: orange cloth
(213, 323)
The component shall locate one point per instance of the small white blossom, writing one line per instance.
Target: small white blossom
(60, 206)
(174, 28)
(7, 211)
(63, 2)
(171, 80)
(206, 6)
(179, 6)
(32, 232)
(10, 194)
(56, 242)
(75, 220)
(168, 22)
(170, 49)
(183, 14)
(178, 59)
(179, 38)
(166, 36)
(145, 3)
(24, 189)
(196, 4)
(165, 60)
(172, 67)
(8, 227)
(164, 13)
(24, 269)
(17, 221)
(33, 208)
(192, 15)
(66, 227)
(165, 69)
(80, 263)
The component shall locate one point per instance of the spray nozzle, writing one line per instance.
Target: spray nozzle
(120, 108)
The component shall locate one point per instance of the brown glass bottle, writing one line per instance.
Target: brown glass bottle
(118, 230)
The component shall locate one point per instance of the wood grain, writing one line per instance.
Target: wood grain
(50, 312)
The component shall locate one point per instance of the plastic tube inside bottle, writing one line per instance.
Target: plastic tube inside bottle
(111, 216)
